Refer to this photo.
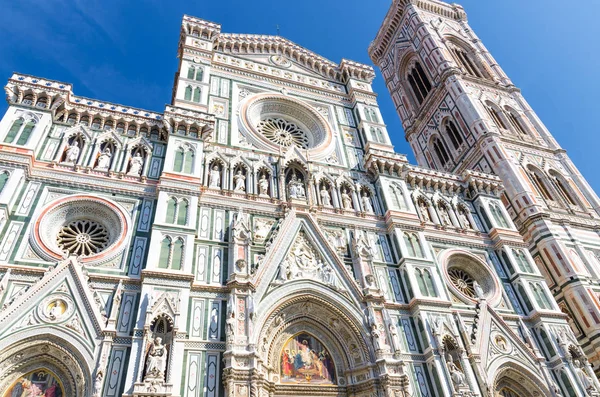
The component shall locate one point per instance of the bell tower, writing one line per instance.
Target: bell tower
(461, 112)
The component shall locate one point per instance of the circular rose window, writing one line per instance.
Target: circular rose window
(271, 121)
(469, 278)
(92, 228)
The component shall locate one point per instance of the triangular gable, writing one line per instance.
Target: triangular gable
(496, 339)
(78, 129)
(301, 252)
(61, 298)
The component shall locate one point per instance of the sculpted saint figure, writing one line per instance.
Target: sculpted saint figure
(263, 186)
(584, 378)
(215, 178)
(157, 359)
(445, 216)
(240, 182)
(457, 376)
(104, 159)
(72, 153)
(366, 202)
(464, 220)
(325, 197)
(346, 200)
(424, 211)
(136, 164)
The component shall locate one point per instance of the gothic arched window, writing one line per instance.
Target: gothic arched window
(3, 179)
(14, 130)
(177, 255)
(498, 216)
(178, 162)
(562, 187)
(188, 165)
(196, 97)
(524, 298)
(188, 93)
(454, 134)
(419, 83)
(72, 119)
(440, 151)
(171, 210)
(199, 74)
(495, 115)
(516, 123)
(466, 62)
(182, 212)
(96, 123)
(191, 73)
(165, 253)
(540, 184)
(85, 120)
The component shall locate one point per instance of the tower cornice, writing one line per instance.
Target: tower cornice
(387, 32)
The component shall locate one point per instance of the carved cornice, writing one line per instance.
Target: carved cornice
(19, 84)
(265, 44)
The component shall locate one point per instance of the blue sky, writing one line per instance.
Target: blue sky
(125, 51)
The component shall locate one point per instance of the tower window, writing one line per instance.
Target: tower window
(496, 117)
(540, 185)
(419, 82)
(465, 61)
(562, 188)
(518, 127)
(441, 152)
(454, 134)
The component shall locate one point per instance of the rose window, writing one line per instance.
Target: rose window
(83, 238)
(283, 132)
(462, 281)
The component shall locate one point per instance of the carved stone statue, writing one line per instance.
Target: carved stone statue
(366, 202)
(230, 325)
(104, 159)
(263, 186)
(424, 211)
(457, 376)
(376, 337)
(586, 381)
(98, 383)
(346, 200)
(156, 360)
(464, 219)
(135, 164)
(214, 178)
(240, 182)
(325, 197)
(445, 216)
(72, 153)
(296, 188)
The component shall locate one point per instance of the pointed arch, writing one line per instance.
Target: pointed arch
(538, 179)
(452, 131)
(171, 210)
(182, 212)
(165, 253)
(179, 159)
(188, 165)
(515, 121)
(196, 97)
(14, 130)
(439, 148)
(563, 187)
(177, 255)
(188, 93)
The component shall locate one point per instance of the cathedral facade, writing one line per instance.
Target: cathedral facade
(261, 238)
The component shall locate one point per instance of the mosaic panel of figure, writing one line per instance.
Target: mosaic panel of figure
(39, 383)
(305, 360)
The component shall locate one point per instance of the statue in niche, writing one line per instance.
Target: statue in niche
(214, 178)
(327, 275)
(464, 219)
(230, 325)
(457, 376)
(263, 186)
(262, 227)
(376, 337)
(337, 240)
(586, 381)
(156, 360)
(241, 227)
(346, 200)
(98, 383)
(72, 153)
(240, 181)
(104, 159)
(424, 211)
(325, 197)
(366, 202)
(444, 215)
(135, 164)
(296, 187)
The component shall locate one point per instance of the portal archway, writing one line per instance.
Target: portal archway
(512, 380)
(45, 361)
